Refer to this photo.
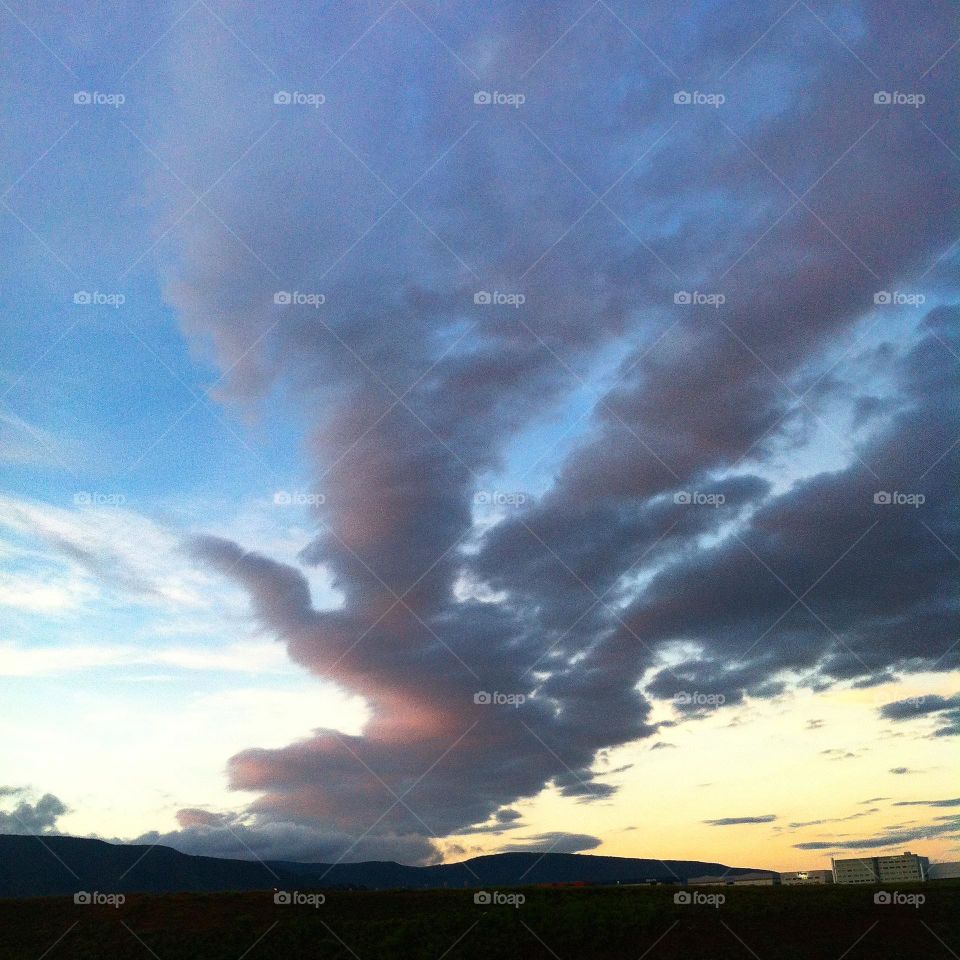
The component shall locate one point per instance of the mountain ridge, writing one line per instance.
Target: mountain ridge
(55, 865)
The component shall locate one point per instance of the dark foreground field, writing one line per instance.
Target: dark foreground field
(776, 923)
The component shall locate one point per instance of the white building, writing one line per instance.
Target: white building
(897, 868)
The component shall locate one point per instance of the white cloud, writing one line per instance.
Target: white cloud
(244, 657)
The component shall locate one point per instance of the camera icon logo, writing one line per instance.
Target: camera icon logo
(482, 297)
(82, 297)
(482, 897)
(282, 298)
(82, 897)
(881, 97)
(882, 896)
(882, 297)
(682, 296)
(282, 97)
(282, 897)
(682, 96)
(282, 499)
(682, 496)
(682, 896)
(881, 496)
(481, 696)
(82, 97)
(481, 98)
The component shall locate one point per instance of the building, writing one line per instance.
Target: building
(756, 879)
(908, 868)
(752, 879)
(859, 870)
(806, 877)
(944, 871)
(897, 868)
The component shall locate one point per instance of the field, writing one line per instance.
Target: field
(779, 923)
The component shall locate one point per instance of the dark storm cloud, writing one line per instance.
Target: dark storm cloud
(735, 821)
(866, 610)
(662, 528)
(31, 818)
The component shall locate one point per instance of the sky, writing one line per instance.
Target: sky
(429, 430)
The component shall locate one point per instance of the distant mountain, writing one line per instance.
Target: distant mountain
(55, 865)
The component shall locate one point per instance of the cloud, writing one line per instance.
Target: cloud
(555, 842)
(712, 528)
(952, 802)
(814, 823)
(225, 835)
(946, 710)
(31, 818)
(900, 771)
(891, 838)
(18, 660)
(735, 821)
(835, 753)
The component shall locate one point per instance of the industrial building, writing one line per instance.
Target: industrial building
(899, 868)
(944, 871)
(753, 879)
(806, 877)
